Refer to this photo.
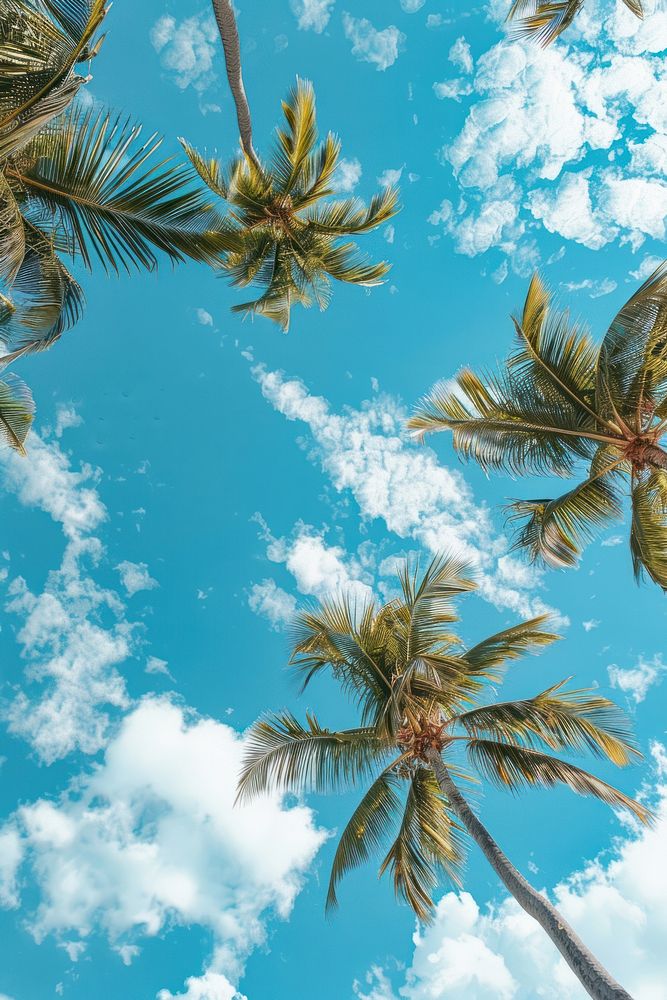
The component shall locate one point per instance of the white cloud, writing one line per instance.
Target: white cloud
(380, 47)
(538, 122)
(636, 681)
(319, 569)
(271, 601)
(589, 625)
(312, 15)
(369, 453)
(154, 665)
(66, 417)
(204, 317)
(460, 55)
(210, 986)
(187, 49)
(391, 176)
(412, 6)
(73, 637)
(595, 287)
(135, 577)
(646, 268)
(347, 175)
(48, 482)
(452, 90)
(151, 838)
(500, 953)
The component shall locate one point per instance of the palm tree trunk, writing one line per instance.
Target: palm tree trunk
(591, 974)
(224, 15)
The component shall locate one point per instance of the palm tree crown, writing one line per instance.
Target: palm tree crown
(290, 240)
(561, 403)
(75, 183)
(545, 20)
(420, 692)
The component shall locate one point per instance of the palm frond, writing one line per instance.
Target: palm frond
(487, 656)
(428, 843)
(350, 217)
(88, 174)
(648, 533)
(283, 754)
(368, 828)
(210, 170)
(296, 142)
(543, 21)
(632, 366)
(580, 721)
(554, 531)
(515, 767)
(504, 425)
(17, 410)
(12, 233)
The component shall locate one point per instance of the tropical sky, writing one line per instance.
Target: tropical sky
(192, 479)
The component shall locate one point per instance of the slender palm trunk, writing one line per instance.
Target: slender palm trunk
(591, 974)
(224, 15)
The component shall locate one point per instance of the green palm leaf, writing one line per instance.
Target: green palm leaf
(281, 753)
(485, 657)
(562, 720)
(515, 767)
(428, 843)
(17, 411)
(648, 533)
(367, 830)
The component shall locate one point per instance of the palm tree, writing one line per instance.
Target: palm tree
(544, 20)
(420, 696)
(560, 404)
(291, 242)
(75, 183)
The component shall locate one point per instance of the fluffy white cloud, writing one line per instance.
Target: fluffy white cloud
(595, 287)
(210, 986)
(74, 634)
(319, 569)
(151, 838)
(73, 637)
(636, 681)
(538, 122)
(272, 602)
(460, 55)
(66, 417)
(347, 175)
(204, 317)
(312, 15)
(391, 176)
(48, 481)
(380, 47)
(500, 953)
(369, 453)
(135, 577)
(187, 49)
(647, 267)
(412, 6)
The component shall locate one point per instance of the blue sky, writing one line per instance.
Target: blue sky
(192, 478)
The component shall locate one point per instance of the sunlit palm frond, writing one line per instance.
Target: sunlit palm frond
(527, 637)
(89, 173)
(515, 767)
(648, 532)
(632, 366)
(428, 844)
(555, 359)
(12, 233)
(283, 754)
(297, 141)
(554, 531)
(502, 425)
(543, 20)
(210, 170)
(368, 829)
(17, 410)
(318, 173)
(351, 217)
(580, 721)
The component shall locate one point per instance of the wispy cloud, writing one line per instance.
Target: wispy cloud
(370, 44)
